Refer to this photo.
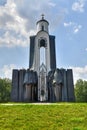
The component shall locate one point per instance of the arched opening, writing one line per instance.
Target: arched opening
(42, 28)
(42, 56)
(42, 52)
(42, 71)
(42, 43)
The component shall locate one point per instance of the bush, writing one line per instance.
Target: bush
(5, 89)
(81, 91)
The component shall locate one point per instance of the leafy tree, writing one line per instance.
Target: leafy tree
(81, 91)
(5, 89)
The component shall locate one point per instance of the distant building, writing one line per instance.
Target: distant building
(42, 81)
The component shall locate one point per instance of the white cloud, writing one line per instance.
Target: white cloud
(77, 28)
(9, 40)
(52, 4)
(68, 24)
(18, 17)
(79, 73)
(78, 6)
(16, 23)
(13, 26)
(6, 71)
(32, 32)
(74, 26)
(85, 49)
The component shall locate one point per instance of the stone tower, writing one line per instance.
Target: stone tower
(42, 43)
(42, 81)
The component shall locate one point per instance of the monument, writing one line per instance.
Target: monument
(42, 81)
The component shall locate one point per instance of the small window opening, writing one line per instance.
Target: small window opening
(42, 28)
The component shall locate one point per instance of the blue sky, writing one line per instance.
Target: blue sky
(68, 22)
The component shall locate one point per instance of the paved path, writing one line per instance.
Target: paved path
(23, 104)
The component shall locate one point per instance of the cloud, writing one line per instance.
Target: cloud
(85, 49)
(13, 26)
(77, 28)
(10, 40)
(52, 4)
(68, 24)
(6, 71)
(79, 73)
(18, 17)
(74, 26)
(78, 6)
(17, 23)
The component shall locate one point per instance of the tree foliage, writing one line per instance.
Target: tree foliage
(81, 91)
(5, 89)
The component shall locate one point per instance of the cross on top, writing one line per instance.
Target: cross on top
(42, 16)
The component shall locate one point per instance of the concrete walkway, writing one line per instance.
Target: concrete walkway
(23, 104)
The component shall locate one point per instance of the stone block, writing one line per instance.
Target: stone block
(70, 85)
(15, 87)
(21, 87)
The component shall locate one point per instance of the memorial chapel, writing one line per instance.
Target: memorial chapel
(42, 81)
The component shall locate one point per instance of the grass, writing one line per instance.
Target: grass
(58, 116)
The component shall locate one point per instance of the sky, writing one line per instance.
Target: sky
(67, 22)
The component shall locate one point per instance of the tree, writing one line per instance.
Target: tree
(5, 89)
(81, 91)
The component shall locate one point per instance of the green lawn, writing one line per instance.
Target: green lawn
(62, 116)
